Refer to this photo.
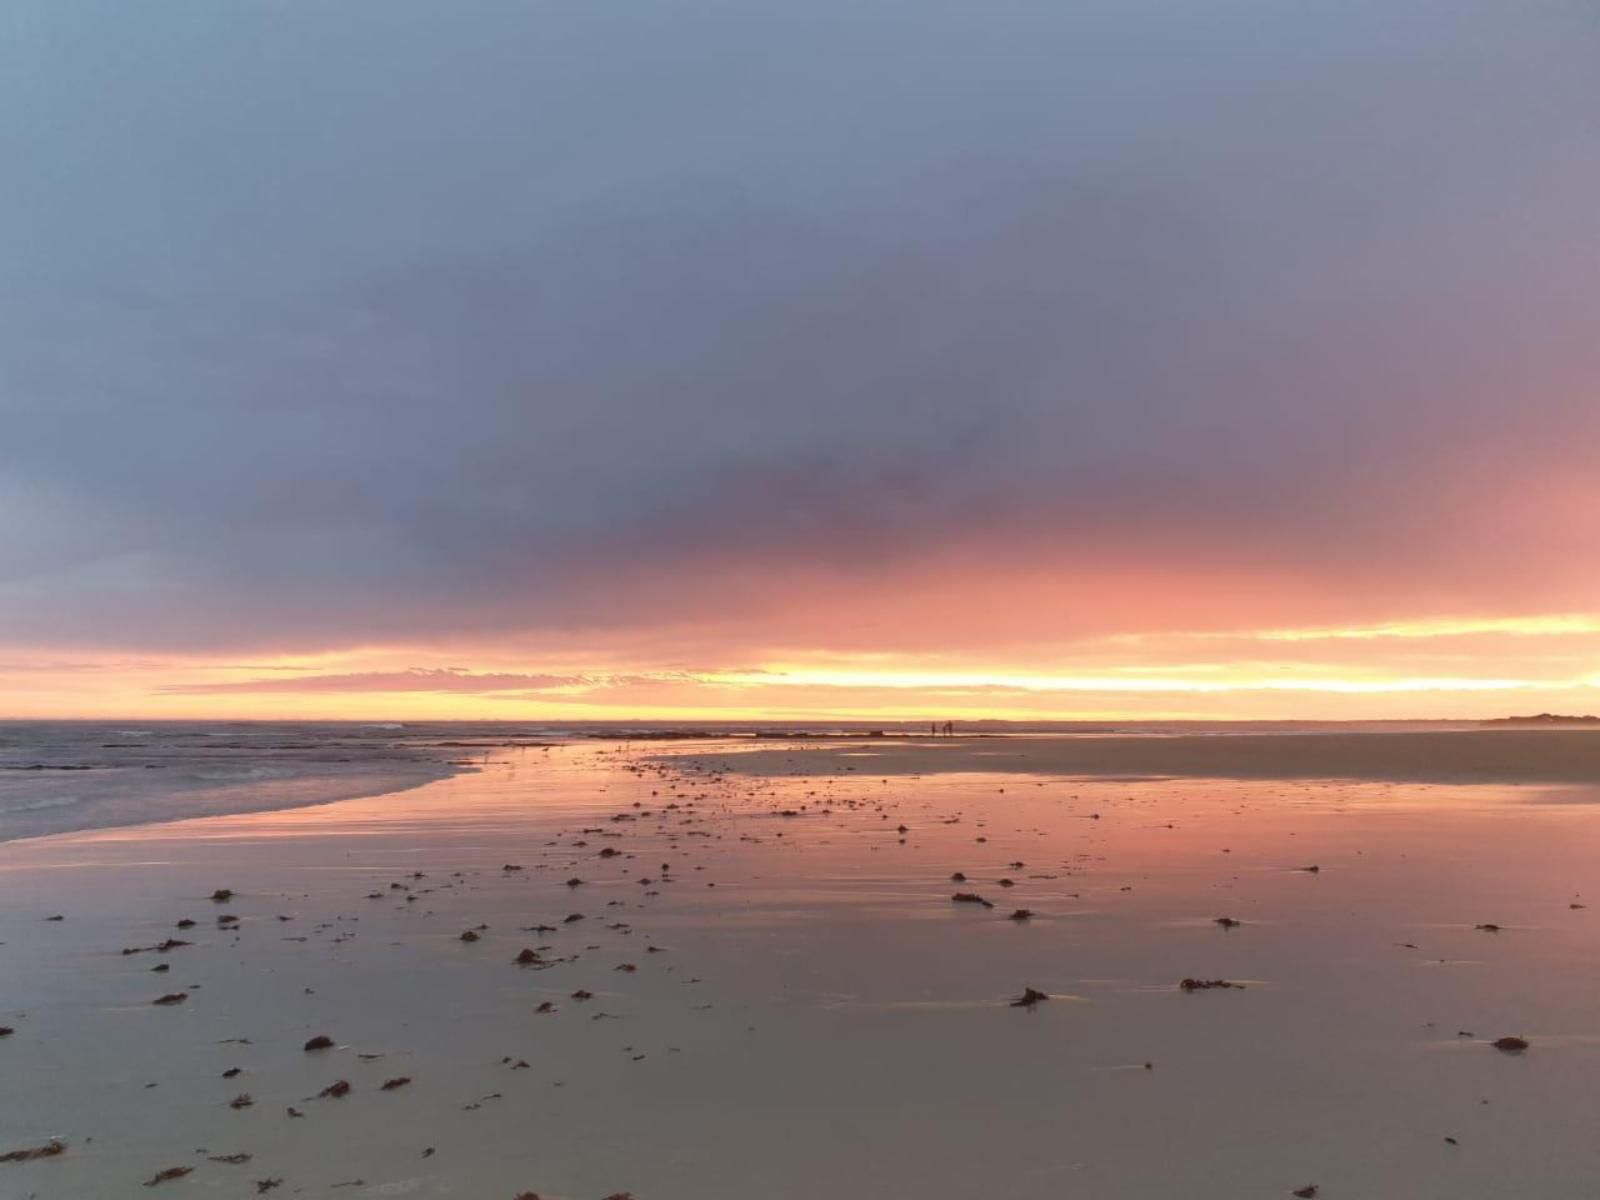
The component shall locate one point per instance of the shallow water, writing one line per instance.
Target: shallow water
(823, 1021)
(62, 776)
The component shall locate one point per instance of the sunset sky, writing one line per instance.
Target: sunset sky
(855, 358)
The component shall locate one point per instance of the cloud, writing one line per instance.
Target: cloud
(417, 679)
(733, 329)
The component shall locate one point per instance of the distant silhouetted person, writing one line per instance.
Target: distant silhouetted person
(949, 729)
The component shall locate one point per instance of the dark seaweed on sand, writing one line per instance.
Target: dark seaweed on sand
(50, 1149)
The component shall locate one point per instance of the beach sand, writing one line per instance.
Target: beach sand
(1507, 755)
(808, 1013)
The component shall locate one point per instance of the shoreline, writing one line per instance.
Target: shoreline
(1488, 756)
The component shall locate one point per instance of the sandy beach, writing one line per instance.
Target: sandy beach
(745, 975)
(1509, 756)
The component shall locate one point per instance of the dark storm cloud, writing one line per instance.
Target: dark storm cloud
(334, 322)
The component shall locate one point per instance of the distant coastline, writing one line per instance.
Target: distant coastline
(1544, 719)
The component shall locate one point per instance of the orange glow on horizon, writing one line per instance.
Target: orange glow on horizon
(1544, 626)
(1425, 667)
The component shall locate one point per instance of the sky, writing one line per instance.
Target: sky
(713, 358)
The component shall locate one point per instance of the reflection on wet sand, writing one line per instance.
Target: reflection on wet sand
(752, 984)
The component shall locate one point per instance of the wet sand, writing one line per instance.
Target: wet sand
(824, 1020)
(1510, 755)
